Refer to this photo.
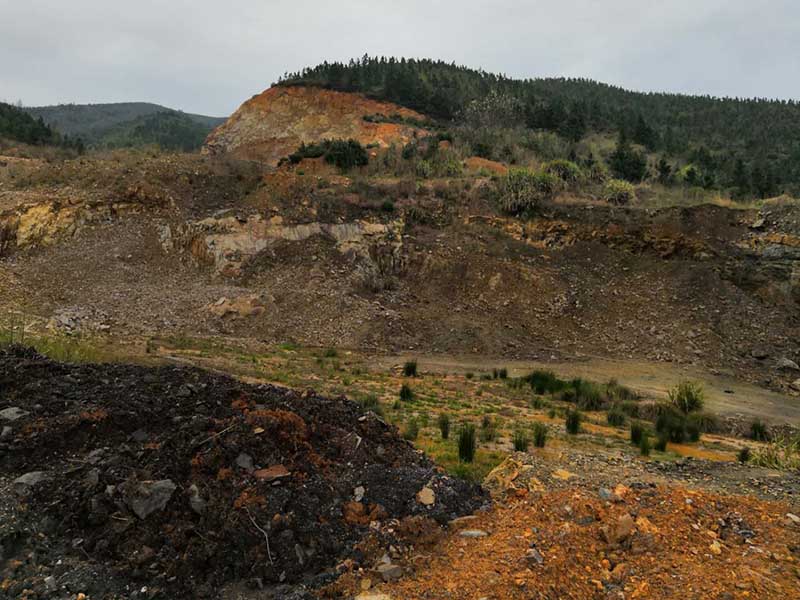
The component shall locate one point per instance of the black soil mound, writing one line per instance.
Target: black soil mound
(182, 481)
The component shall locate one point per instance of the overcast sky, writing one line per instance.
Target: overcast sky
(209, 56)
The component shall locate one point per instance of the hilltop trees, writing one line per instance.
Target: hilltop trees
(712, 134)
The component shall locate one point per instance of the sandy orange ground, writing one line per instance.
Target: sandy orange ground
(684, 545)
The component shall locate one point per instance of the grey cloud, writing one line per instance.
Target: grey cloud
(204, 56)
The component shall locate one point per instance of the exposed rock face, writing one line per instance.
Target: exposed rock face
(229, 243)
(273, 124)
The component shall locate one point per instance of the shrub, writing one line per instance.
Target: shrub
(672, 423)
(502, 373)
(706, 422)
(565, 170)
(521, 440)
(687, 397)
(744, 455)
(572, 421)
(618, 392)
(331, 353)
(411, 432)
(410, 368)
(661, 443)
(637, 431)
(523, 190)
(467, 443)
(444, 425)
(539, 403)
(630, 408)
(345, 154)
(406, 393)
(552, 413)
(488, 430)
(545, 382)
(693, 430)
(780, 453)
(644, 445)
(619, 191)
(616, 416)
(470, 375)
(370, 402)
(539, 434)
(758, 431)
(585, 393)
(387, 206)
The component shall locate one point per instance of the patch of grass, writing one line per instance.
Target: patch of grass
(406, 393)
(410, 368)
(616, 416)
(661, 443)
(521, 440)
(467, 443)
(744, 455)
(488, 429)
(545, 382)
(70, 349)
(331, 353)
(539, 434)
(644, 445)
(781, 453)
(470, 375)
(572, 421)
(411, 431)
(637, 432)
(443, 422)
(687, 397)
(759, 431)
(539, 403)
(672, 423)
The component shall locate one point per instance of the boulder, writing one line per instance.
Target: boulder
(23, 484)
(12, 413)
(148, 497)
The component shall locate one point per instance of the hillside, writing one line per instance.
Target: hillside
(272, 125)
(18, 126)
(749, 145)
(128, 124)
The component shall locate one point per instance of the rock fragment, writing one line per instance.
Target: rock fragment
(149, 496)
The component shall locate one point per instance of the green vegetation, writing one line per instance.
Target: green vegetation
(523, 190)
(344, 154)
(661, 443)
(406, 393)
(572, 421)
(521, 440)
(748, 148)
(488, 429)
(744, 455)
(128, 124)
(411, 431)
(637, 432)
(687, 397)
(644, 444)
(617, 191)
(539, 434)
(410, 368)
(18, 125)
(759, 431)
(616, 416)
(443, 422)
(467, 443)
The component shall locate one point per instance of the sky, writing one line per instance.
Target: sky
(207, 56)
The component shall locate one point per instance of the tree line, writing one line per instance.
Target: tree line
(750, 146)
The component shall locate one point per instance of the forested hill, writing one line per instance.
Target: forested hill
(18, 126)
(755, 141)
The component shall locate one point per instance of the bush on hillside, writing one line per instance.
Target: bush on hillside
(566, 170)
(523, 190)
(619, 191)
(687, 397)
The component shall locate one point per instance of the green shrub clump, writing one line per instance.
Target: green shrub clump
(744, 455)
(539, 434)
(572, 421)
(406, 393)
(687, 397)
(644, 444)
(637, 431)
(467, 443)
(411, 432)
(616, 416)
(619, 191)
(410, 368)
(344, 154)
(523, 190)
(759, 431)
(565, 170)
(521, 440)
(444, 425)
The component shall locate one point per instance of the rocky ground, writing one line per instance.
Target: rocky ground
(173, 482)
